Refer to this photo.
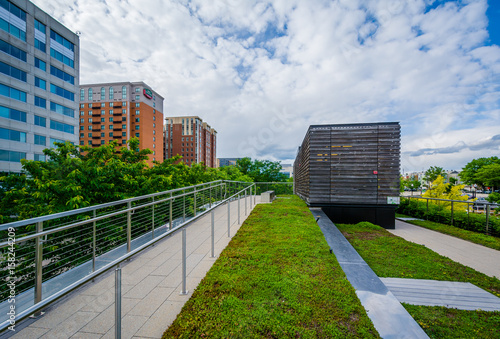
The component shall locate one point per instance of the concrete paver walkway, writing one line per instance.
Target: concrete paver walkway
(151, 286)
(480, 258)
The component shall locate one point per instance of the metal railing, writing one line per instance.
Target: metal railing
(277, 187)
(54, 254)
(453, 203)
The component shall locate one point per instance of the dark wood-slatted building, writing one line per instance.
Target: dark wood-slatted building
(351, 171)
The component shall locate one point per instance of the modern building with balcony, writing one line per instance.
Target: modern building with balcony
(191, 138)
(120, 111)
(39, 76)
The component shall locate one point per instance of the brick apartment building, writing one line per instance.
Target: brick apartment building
(191, 138)
(119, 111)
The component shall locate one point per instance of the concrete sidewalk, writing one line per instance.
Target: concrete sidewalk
(480, 258)
(151, 286)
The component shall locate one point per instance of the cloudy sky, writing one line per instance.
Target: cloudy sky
(261, 72)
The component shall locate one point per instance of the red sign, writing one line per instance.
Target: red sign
(147, 93)
(375, 172)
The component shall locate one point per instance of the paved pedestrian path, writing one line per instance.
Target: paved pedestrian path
(389, 317)
(451, 294)
(151, 286)
(480, 258)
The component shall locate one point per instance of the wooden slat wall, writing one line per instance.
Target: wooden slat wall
(355, 163)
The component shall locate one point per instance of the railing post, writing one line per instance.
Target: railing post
(255, 196)
(246, 212)
(229, 218)
(194, 200)
(153, 220)
(118, 303)
(213, 235)
(38, 264)
(452, 213)
(210, 195)
(184, 290)
(129, 226)
(487, 218)
(238, 208)
(427, 215)
(183, 206)
(170, 226)
(94, 235)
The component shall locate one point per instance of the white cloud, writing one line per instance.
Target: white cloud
(261, 72)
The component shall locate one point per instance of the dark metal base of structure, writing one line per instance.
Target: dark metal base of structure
(382, 215)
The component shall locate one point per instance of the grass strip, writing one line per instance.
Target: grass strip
(392, 256)
(477, 238)
(275, 279)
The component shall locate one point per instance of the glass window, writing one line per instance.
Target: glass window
(124, 118)
(60, 109)
(40, 45)
(102, 135)
(103, 104)
(110, 126)
(124, 126)
(10, 24)
(111, 94)
(39, 26)
(65, 77)
(124, 134)
(111, 134)
(82, 120)
(102, 142)
(90, 135)
(137, 134)
(40, 83)
(89, 127)
(39, 157)
(59, 42)
(40, 140)
(124, 142)
(137, 97)
(124, 103)
(13, 72)
(137, 112)
(103, 93)
(82, 128)
(124, 92)
(60, 126)
(90, 120)
(12, 50)
(90, 113)
(11, 155)
(103, 126)
(137, 90)
(136, 127)
(12, 135)
(136, 119)
(111, 104)
(40, 121)
(110, 119)
(13, 114)
(137, 104)
(91, 93)
(62, 92)
(82, 94)
(154, 118)
(40, 64)
(110, 112)
(40, 102)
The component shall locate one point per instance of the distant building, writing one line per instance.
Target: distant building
(120, 111)
(39, 66)
(191, 138)
(287, 169)
(222, 162)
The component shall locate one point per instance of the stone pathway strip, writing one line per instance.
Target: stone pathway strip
(482, 259)
(151, 286)
(460, 295)
(387, 314)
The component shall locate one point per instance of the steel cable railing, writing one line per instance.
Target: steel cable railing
(56, 253)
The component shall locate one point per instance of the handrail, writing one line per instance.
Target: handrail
(34, 220)
(41, 304)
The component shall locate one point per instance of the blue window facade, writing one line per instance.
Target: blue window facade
(60, 126)
(40, 121)
(39, 157)
(40, 64)
(14, 24)
(62, 109)
(13, 72)
(40, 102)
(62, 49)
(40, 38)
(62, 75)
(11, 156)
(12, 93)
(40, 140)
(13, 114)
(12, 50)
(40, 83)
(12, 135)
(62, 92)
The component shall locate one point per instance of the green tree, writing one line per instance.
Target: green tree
(433, 173)
(468, 174)
(261, 170)
(489, 175)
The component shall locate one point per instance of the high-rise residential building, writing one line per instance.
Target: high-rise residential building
(223, 162)
(191, 138)
(120, 111)
(39, 76)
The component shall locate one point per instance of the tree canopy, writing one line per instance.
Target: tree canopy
(74, 177)
(433, 173)
(261, 170)
(470, 173)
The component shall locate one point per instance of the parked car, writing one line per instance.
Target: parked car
(481, 203)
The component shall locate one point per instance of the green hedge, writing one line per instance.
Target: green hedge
(461, 219)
